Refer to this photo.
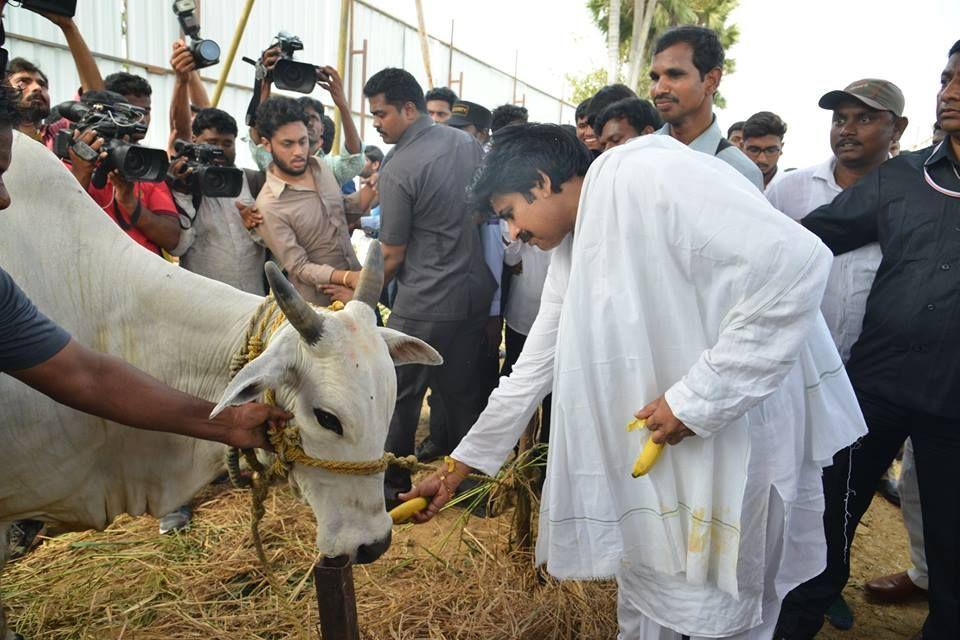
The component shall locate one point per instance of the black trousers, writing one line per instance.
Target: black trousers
(452, 383)
(849, 486)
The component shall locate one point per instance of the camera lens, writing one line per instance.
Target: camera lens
(208, 50)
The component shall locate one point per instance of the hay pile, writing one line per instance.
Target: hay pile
(445, 579)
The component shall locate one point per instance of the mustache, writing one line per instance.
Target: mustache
(665, 96)
(524, 237)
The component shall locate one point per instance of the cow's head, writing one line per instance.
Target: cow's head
(335, 372)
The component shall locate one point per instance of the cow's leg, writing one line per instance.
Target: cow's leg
(5, 632)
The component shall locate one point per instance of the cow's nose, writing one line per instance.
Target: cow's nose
(367, 553)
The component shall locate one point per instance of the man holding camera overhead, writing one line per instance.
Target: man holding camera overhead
(218, 214)
(277, 67)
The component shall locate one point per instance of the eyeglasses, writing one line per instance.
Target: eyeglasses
(756, 151)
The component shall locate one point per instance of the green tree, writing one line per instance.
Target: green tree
(651, 17)
(584, 87)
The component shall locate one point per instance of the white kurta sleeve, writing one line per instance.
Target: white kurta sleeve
(757, 346)
(512, 403)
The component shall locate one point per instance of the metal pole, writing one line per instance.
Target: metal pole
(424, 43)
(341, 64)
(336, 599)
(228, 63)
(450, 58)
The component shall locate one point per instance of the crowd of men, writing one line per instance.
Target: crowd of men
(499, 231)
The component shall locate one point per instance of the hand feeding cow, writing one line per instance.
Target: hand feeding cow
(80, 472)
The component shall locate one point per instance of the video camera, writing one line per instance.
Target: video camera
(206, 53)
(209, 178)
(111, 122)
(289, 75)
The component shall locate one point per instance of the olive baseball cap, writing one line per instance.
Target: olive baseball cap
(876, 94)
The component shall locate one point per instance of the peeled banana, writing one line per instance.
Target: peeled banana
(648, 455)
(403, 512)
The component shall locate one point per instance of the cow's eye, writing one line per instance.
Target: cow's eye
(328, 421)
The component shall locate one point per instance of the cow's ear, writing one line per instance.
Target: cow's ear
(406, 349)
(265, 372)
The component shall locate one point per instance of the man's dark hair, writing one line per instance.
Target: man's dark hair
(102, 97)
(18, 65)
(127, 84)
(517, 156)
(441, 93)
(736, 126)
(581, 111)
(216, 119)
(954, 49)
(507, 114)
(398, 88)
(373, 153)
(277, 111)
(311, 103)
(9, 111)
(605, 97)
(329, 131)
(639, 113)
(707, 50)
(764, 123)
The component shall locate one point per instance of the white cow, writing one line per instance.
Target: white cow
(81, 472)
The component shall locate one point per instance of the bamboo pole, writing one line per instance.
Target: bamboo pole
(424, 43)
(341, 65)
(228, 63)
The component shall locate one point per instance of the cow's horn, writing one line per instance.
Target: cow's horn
(371, 278)
(307, 322)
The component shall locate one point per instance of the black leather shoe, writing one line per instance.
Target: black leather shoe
(428, 451)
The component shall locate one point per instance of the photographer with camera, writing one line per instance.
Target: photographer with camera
(98, 147)
(34, 101)
(276, 67)
(217, 241)
(212, 196)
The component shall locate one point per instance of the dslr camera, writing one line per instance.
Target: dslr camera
(111, 121)
(289, 75)
(206, 53)
(209, 177)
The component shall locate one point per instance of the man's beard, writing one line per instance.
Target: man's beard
(287, 168)
(34, 111)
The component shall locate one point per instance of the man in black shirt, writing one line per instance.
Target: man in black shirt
(904, 365)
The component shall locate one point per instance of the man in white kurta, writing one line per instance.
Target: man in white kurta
(699, 293)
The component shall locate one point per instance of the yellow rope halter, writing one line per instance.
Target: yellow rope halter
(286, 441)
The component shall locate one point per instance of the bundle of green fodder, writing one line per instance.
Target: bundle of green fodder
(450, 578)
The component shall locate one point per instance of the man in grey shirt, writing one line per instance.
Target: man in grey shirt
(686, 72)
(431, 246)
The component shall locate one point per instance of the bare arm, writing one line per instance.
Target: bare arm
(182, 63)
(393, 256)
(108, 387)
(90, 78)
(329, 79)
(162, 230)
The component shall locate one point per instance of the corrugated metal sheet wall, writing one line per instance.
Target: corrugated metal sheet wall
(144, 48)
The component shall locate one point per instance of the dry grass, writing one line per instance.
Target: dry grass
(445, 579)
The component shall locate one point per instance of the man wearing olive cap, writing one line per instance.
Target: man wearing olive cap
(473, 118)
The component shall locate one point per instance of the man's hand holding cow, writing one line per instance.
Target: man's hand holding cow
(665, 426)
(247, 424)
